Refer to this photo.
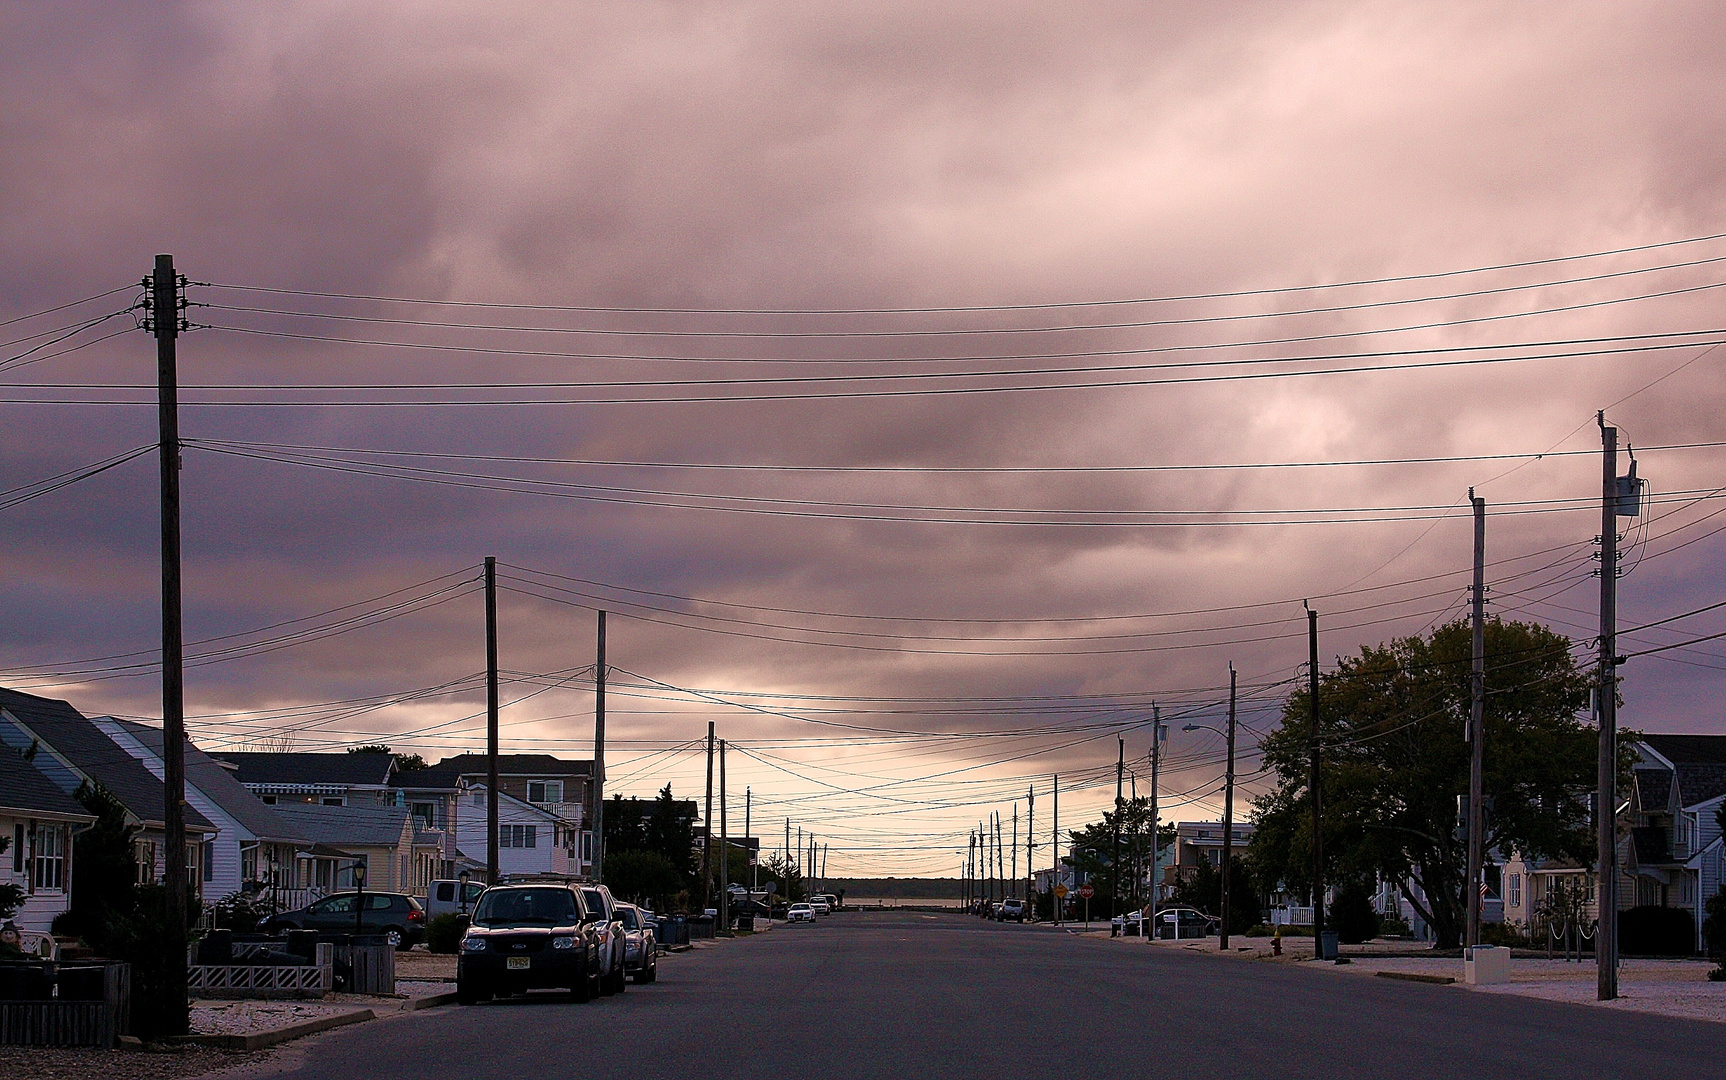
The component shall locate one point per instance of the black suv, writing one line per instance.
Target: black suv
(530, 937)
(394, 915)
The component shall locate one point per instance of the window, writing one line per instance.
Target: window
(267, 800)
(333, 802)
(587, 846)
(544, 791)
(517, 836)
(1513, 890)
(18, 848)
(209, 860)
(48, 870)
(426, 813)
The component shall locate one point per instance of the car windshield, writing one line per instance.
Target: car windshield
(526, 907)
(627, 916)
(799, 907)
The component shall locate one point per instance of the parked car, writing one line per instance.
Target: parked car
(452, 898)
(1191, 922)
(530, 937)
(640, 943)
(820, 905)
(602, 909)
(396, 916)
(800, 913)
(1011, 909)
(832, 901)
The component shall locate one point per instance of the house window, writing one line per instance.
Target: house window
(18, 848)
(545, 791)
(1513, 890)
(49, 859)
(517, 836)
(426, 813)
(267, 800)
(333, 802)
(145, 853)
(209, 860)
(587, 847)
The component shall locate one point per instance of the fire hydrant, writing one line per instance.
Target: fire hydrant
(1276, 946)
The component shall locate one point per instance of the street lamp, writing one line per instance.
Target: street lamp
(1228, 807)
(461, 887)
(359, 894)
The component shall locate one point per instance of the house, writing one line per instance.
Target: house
(1202, 842)
(39, 820)
(530, 838)
(1673, 855)
(362, 779)
(254, 848)
(70, 750)
(440, 796)
(380, 839)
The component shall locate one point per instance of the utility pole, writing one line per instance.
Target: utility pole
(1115, 861)
(165, 305)
(707, 826)
(599, 757)
(1314, 787)
(724, 850)
(1015, 849)
(1228, 813)
(491, 803)
(824, 867)
(1606, 793)
(1030, 840)
(1477, 723)
(787, 841)
(755, 859)
(970, 873)
(1156, 819)
(1055, 837)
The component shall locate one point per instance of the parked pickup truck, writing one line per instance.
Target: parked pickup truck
(452, 898)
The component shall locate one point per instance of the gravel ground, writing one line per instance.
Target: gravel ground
(246, 1017)
(44, 1062)
(417, 965)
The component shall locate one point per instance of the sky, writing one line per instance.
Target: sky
(925, 391)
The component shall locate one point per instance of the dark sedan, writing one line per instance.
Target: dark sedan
(529, 937)
(397, 917)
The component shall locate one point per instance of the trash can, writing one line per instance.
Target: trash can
(1327, 945)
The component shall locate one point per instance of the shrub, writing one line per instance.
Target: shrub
(1293, 931)
(1508, 935)
(240, 912)
(443, 934)
(1260, 930)
(1351, 912)
(1394, 926)
(67, 924)
(1657, 931)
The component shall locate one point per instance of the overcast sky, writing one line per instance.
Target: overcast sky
(933, 255)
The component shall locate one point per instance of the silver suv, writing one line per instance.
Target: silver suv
(613, 943)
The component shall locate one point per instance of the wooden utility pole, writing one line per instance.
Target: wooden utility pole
(1055, 837)
(1156, 819)
(1228, 813)
(599, 756)
(1030, 841)
(707, 826)
(1115, 861)
(754, 859)
(165, 322)
(491, 802)
(1606, 779)
(1015, 849)
(1314, 787)
(724, 851)
(1476, 724)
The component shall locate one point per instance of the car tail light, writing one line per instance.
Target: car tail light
(416, 916)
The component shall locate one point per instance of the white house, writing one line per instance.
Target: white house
(38, 821)
(530, 839)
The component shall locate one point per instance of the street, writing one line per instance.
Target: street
(907, 994)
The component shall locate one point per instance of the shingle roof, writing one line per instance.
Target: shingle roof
(219, 786)
(1699, 783)
(24, 788)
(1653, 790)
(332, 770)
(91, 752)
(1689, 749)
(446, 772)
(346, 826)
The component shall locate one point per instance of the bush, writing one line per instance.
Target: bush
(1293, 931)
(1394, 926)
(1351, 912)
(1506, 934)
(1657, 931)
(67, 924)
(443, 934)
(1260, 930)
(240, 912)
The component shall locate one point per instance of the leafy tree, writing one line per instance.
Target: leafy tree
(1352, 915)
(1094, 853)
(106, 864)
(643, 877)
(11, 893)
(781, 873)
(404, 762)
(1391, 728)
(664, 826)
(1203, 889)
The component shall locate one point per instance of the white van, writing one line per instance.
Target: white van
(447, 898)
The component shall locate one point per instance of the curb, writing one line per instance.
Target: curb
(430, 1001)
(1409, 976)
(260, 1039)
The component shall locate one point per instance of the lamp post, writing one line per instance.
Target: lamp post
(1228, 808)
(359, 895)
(461, 888)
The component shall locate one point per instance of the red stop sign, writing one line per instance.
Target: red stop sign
(1087, 892)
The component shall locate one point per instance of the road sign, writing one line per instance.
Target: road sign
(1060, 892)
(1087, 892)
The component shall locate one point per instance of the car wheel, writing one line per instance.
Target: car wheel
(653, 971)
(582, 991)
(395, 938)
(622, 976)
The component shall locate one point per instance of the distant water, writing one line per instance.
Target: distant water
(900, 901)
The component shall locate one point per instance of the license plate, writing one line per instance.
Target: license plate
(518, 963)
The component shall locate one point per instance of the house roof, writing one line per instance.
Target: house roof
(219, 786)
(346, 826)
(1699, 783)
(24, 788)
(1688, 749)
(70, 734)
(262, 769)
(1653, 790)
(446, 772)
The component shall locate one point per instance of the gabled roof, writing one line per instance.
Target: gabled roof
(1688, 749)
(70, 734)
(445, 773)
(371, 769)
(219, 786)
(346, 826)
(24, 790)
(1653, 790)
(1699, 783)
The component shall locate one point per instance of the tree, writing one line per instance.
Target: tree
(1094, 852)
(11, 893)
(1392, 721)
(404, 762)
(781, 874)
(106, 863)
(1203, 889)
(663, 826)
(643, 876)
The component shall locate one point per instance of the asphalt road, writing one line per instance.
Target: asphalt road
(910, 996)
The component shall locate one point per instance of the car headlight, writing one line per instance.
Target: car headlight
(563, 943)
(473, 944)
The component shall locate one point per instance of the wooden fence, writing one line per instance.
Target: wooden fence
(62, 1022)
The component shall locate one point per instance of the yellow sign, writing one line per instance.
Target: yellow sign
(1061, 892)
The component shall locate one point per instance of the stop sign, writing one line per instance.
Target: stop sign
(1087, 892)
